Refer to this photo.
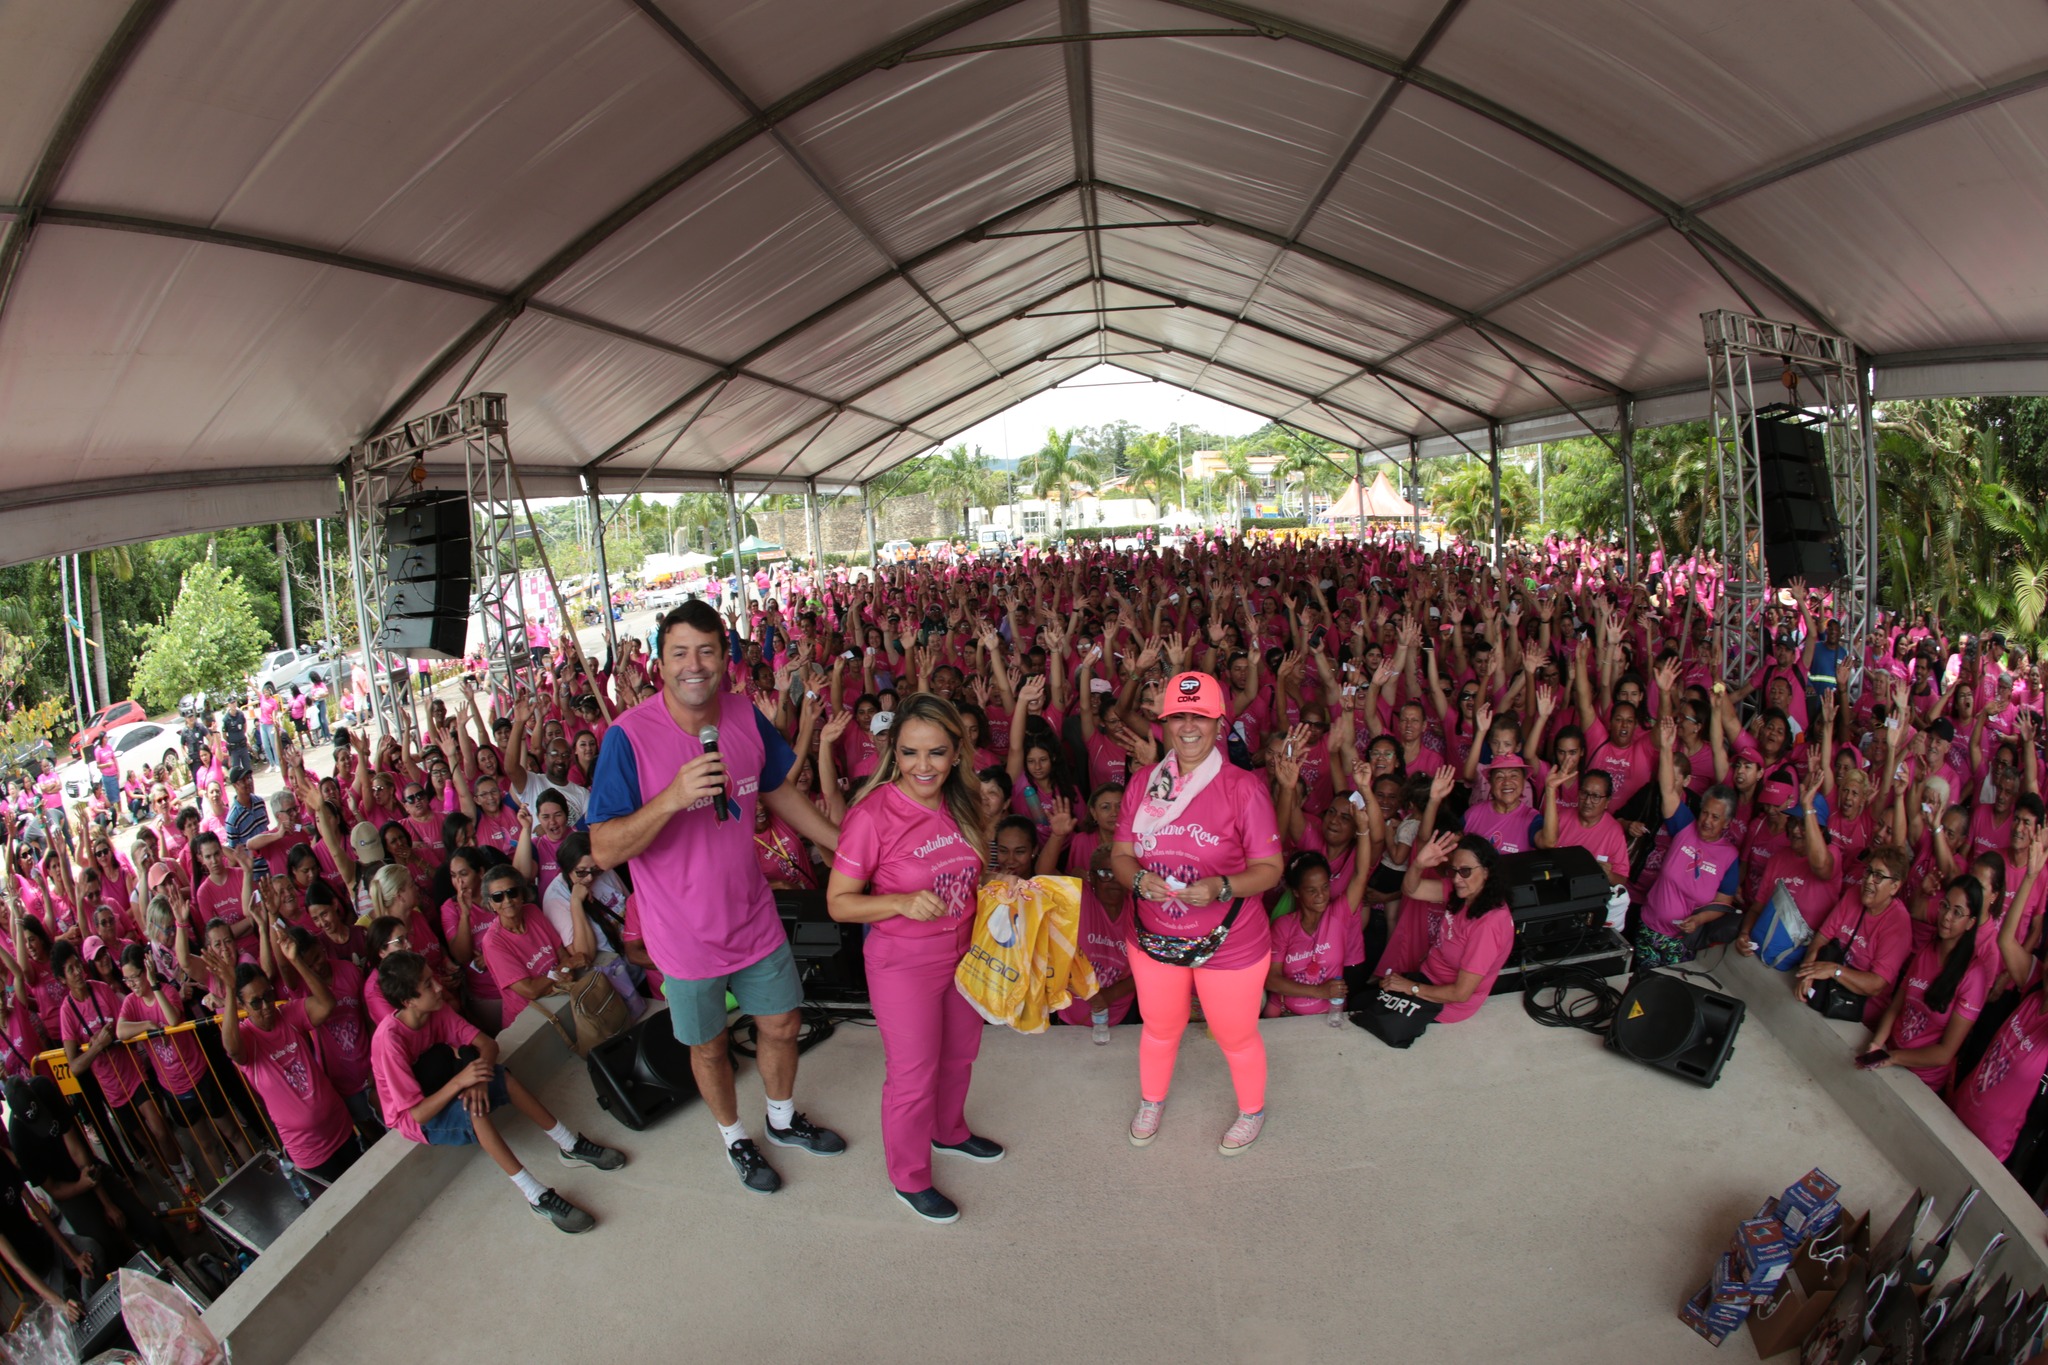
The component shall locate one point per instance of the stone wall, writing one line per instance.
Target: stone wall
(912, 517)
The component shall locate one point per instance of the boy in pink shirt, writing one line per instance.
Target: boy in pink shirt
(469, 1085)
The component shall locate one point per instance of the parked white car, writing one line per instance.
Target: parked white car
(146, 742)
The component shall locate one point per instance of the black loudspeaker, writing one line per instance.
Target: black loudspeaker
(1557, 896)
(428, 519)
(643, 1073)
(1802, 534)
(426, 607)
(434, 635)
(1677, 1025)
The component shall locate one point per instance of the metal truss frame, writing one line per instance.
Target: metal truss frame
(1826, 367)
(379, 471)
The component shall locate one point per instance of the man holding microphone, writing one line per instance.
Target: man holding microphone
(674, 794)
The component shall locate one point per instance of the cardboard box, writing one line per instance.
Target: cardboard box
(1766, 1250)
(1805, 1198)
(1700, 1313)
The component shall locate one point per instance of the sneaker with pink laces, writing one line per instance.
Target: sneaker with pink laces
(1145, 1126)
(1240, 1134)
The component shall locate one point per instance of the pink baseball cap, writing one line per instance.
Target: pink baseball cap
(1776, 793)
(1192, 694)
(1506, 761)
(94, 946)
(159, 873)
(1746, 750)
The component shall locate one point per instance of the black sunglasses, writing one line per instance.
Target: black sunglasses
(504, 896)
(583, 872)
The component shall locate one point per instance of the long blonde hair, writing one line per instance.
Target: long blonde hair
(961, 789)
(387, 884)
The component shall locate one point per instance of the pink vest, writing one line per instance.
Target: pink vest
(705, 908)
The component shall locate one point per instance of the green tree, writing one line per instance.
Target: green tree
(208, 643)
(1155, 468)
(1463, 501)
(1058, 467)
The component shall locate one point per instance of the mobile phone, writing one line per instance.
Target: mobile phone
(1358, 800)
(849, 654)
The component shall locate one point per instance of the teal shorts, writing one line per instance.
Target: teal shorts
(696, 1007)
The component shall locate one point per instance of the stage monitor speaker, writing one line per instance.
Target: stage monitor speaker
(643, 1073)
(432, 635)
(1675, 1024)
(1801, 532)
(428, 519)
(1556, 895)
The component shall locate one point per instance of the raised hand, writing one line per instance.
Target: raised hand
(1060, 815)
(1442, 782)
(1436, 852)
(1546, 699)
(835, 726)
(1287, 771)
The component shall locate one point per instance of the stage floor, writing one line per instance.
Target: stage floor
(1499, 1192)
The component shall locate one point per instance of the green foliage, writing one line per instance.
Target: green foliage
(209, 642)
(1464, 501)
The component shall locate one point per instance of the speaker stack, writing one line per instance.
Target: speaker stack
(1802, 535)
(426, 607)
(1674, 1024)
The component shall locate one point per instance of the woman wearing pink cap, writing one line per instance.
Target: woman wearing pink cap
(1506, 821)
(1196, 838)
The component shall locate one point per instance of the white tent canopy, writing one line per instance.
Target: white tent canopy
(810, 239)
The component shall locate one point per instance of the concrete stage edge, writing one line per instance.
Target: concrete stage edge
(1500, 1190)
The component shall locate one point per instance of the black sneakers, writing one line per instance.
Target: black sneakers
(755, 1172)
(974, 1148)
(552, 1208)
(806, 1136)
(588, 1153)
(930, 1205)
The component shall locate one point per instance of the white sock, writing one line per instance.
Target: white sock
(528, 1186)
(781, 1113)
(730, 1133)
(561, 1136)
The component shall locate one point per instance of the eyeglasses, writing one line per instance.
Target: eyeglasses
(259, 1001)
(583, 871)
(1469, 869)
(1877, 876)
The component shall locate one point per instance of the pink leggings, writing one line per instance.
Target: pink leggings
(1231, 998)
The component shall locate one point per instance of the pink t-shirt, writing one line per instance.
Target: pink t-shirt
(219, 900)
(1878, 941)
(1108, 761)
(630, 932)
(512, 957)
(345, 1032)
(1604, 839)
(78, 1020)
(1918, 1024)
(1228, 824)
(704, 905)
(897, 845)
(1467, 945)
(284, 1066)
(1814, 895)
(176, 1058)
(1102, 940)
(499, 829)
(1993, 1100)
(395, 1047)
(1316, 956)
(1509, 832)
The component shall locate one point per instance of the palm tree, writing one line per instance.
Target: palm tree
(1154, 467)
(1238, 478)
(1058, 467)
(1297, 460)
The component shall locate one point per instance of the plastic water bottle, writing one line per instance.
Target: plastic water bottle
(1336, 1011)
(291, 1178)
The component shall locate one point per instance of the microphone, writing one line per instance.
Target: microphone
(708, 737)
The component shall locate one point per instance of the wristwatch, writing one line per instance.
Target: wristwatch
(1226, 889)
(1415, 988)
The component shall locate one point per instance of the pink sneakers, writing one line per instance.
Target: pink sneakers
(1145, 1126)
(1237, 1136)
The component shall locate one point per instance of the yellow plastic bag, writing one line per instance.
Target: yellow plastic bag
(1022, 962)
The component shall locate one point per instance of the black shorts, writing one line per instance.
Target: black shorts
(204, 1097)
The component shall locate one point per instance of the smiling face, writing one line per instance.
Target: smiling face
(924, 756)
(1191, 736)
(553, 820)
(1955, 916)
(692, 667)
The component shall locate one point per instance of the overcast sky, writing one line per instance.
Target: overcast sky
(1097, 397)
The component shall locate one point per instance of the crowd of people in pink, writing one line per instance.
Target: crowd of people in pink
(1285, 774)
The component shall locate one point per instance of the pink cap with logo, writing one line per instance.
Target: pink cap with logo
(1192, 694)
